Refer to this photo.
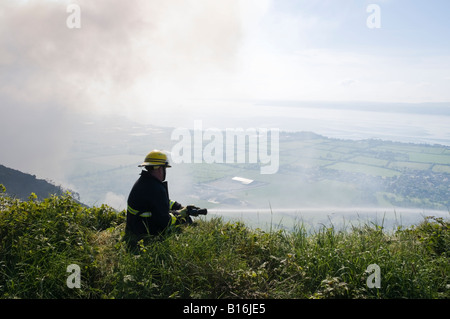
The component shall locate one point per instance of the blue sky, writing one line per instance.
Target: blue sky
(325, 48)
(406, 24)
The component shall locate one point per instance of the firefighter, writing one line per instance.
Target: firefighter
(149, 209)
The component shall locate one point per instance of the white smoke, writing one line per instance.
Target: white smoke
(127, 57)
(116, 201)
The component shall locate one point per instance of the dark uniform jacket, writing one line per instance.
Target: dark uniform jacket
(148, 207)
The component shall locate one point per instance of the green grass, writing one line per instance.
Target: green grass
(212, 258)
(370, 161)
(441, 168)
(429, 158)
(410, 165)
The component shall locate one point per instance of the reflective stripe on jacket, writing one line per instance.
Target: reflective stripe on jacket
(148, 206)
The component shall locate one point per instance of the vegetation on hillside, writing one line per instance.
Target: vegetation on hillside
(20, 184)
(212, 258)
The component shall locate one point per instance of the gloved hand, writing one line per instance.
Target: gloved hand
(183, 212)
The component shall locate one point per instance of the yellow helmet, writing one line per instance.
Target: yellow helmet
(155, 158)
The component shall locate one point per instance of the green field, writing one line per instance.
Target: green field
(364, 169)
(441, 168)
(319, 171)
(410, 165)
(313, 170)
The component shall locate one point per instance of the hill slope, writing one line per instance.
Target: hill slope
(21, 185)
(40, 242)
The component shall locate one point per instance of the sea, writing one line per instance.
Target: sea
(409, 123)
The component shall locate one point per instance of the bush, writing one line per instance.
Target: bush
(211, 258)
(38, 240)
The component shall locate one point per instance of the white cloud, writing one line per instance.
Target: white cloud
(337, 75)
(348, 82)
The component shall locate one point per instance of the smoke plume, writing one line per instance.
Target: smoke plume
(126, 57)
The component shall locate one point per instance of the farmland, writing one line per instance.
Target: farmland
(314, 171)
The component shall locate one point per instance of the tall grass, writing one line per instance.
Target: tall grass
(212, 258)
